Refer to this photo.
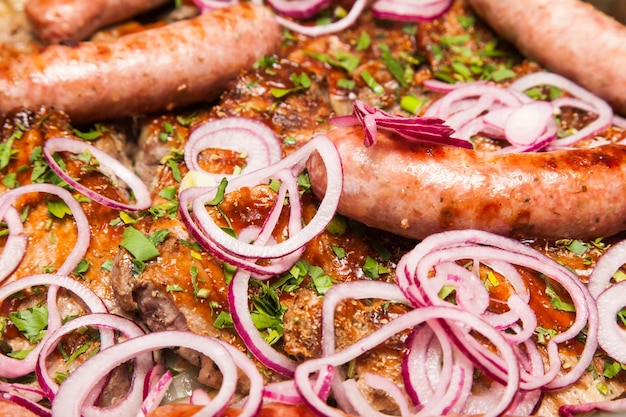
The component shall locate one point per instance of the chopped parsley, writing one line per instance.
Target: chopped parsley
(32, 322)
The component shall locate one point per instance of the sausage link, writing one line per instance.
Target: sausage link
(569, 37)
(174, 65)
(415, 190)
(70, 21)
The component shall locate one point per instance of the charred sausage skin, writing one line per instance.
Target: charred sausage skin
(56, 21)
(569, 37)
(415, 190)
(162, 68)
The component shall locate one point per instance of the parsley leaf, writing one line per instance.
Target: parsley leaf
(32, 322)
(141, 247)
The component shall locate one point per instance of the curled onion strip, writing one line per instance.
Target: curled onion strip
(15, 247)
(606, 266)
(140, 190)
(73, 393)
(255, 391)
(602, 108)
(105, 321)
(319, 30)
(507, 113)
(156, 394)
(14, 368)
(256, 344)
(413, 272)
(615, 406)
(408, 320)
(258, 236)
(256, 140)
(298, 9)
(82, 224)
(417, 128)
(612, 337)
(410, 10)
(26, 403)
(240, 254)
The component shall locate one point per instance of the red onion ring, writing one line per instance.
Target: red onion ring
(604, 111)
(615, 406)
(82, 224)
(263, 351)
(413, 272)
(74, 392)
(612, 337)
(298, 9)
(103, 320)
(14, 368)
(211, 236)
(410, 10)
(257, 140)
(15, 247)
(156, 394)
(408, 320)
(26, 403)
(140, 190)
(606, 266)
(528, 125)
(318, 30)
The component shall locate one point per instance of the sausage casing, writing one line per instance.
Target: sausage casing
(174, 65)
(414, 189)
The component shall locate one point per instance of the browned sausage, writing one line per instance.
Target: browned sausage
(56, 21)
(568, 37)
(178, 64)
(416, 189)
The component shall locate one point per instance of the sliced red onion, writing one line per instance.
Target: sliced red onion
(283, 392)
(601, 108)
(408, 320)
(410, 10)
(263, 351)
(103, 320)
(612, 337)
(74, 392)
(140, 190)
(417, 128)
(256, 140)
(156, 394)
(256, 390)
(14, 368)
(24, 402)
(448, 102)
(352, 290)
(298, 9)
(208, 5)
(15, 247)
(460, 118)
(27, 391)
(377, 382)
(319, 30)
(82, 224)
(606, 267)
(618, 407)
(438, 86)
(413, 277)
(212, 234)
(259, 236)
(527, 123)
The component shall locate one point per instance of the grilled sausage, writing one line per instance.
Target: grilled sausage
(415, 190)
(178, 64)
(568, 37)
(57, 21)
